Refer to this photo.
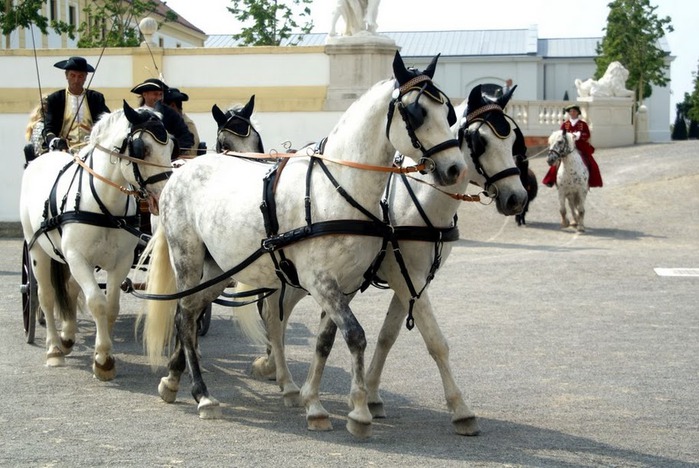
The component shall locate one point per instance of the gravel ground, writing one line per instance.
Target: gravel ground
(569, 347)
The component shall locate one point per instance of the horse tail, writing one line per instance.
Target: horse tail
(160, 315)
(59, 282)
(248, 319)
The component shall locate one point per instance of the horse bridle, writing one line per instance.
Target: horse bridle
(563, 152)
(414, 116)
(136, 148)
(477, 148)
(226, 127)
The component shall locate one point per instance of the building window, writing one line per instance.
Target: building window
(161, 42)
(178, 45)
(53, 10)
(72, 10)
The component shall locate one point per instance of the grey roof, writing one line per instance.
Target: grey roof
(568, 47)
(457, 43)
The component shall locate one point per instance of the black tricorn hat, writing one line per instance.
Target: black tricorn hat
(175, 95)
(75, 63)
(151, 84)
(573, 106)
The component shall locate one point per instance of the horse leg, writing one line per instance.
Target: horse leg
(41, 264)
(317, 417)
(69, 322)
(580, 212)
(387, 337)
(562, 208)
(336, 303)
(275, 362)
(463, 419)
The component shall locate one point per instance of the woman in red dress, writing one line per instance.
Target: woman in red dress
(581, 134)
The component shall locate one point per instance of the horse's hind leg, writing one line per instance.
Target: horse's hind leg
(275, 361)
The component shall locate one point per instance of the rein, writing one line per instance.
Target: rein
(367, 167)
(101, 178)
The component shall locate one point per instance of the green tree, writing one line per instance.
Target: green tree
(268, 22)
(693, 99)
(114, 23)
(632, 34)
(26, 13)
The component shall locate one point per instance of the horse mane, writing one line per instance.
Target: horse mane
(112, 123)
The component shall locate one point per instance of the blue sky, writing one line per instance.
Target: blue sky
(553, 18)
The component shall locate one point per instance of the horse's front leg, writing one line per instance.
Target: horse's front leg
(463, 419)
(336, 303)
(562, 208)
(387, 337)
(104, 364)
(317, 417)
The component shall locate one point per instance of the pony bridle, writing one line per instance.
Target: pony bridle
(560, 152)
(136, 147)
(414, 116)
(477, 148)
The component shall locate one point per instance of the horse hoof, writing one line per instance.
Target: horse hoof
(292, 399)
(209, 408)
(360, 430)
(106, 371)
(377, 410)
(467, 426)
(319, 423)
(55, 358)
(166, 391)
(261, 369)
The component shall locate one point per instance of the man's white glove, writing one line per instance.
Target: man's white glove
(576, 135)
(58, 144)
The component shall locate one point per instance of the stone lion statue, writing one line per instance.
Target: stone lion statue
(612, 84)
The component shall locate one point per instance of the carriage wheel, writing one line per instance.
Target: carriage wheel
(30, 296)
(204, 321)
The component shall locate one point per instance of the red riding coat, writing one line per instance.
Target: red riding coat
(586, 149)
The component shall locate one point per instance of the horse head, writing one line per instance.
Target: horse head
(149, 148)
(560, 145)
(235, 129)
(426, 115)
(491, 140)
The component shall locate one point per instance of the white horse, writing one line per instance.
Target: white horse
(211, 226)
(424, 219)
(78, 213)
(571, 179)
(235, 129)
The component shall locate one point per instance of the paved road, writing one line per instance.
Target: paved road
(570, 348)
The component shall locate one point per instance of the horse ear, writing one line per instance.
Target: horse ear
(218, 114)
(401, 74)
(131, 115)
(503, 100)
(429, 71)
(475, 99)
(249, 107)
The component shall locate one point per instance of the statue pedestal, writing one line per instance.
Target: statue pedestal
(610, 121)
(356, 63)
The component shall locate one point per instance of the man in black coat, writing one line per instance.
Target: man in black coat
(152, 92)
(71, 112)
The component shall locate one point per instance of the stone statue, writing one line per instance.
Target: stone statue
(359, 17)
(612, 84)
